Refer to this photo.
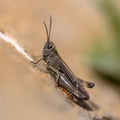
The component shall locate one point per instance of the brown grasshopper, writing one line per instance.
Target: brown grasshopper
(63, 76)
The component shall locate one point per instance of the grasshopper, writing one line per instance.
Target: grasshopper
(64, 78)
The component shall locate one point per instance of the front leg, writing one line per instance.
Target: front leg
(36, 62)
(36, 65)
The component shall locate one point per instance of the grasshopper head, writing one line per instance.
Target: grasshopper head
(49, 49)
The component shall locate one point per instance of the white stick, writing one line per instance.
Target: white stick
(14, 43)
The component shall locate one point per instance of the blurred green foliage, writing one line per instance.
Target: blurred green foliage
(105, 54)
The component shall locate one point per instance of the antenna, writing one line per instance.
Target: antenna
(48, 33)
(50, 26)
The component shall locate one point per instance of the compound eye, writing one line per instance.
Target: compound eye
(49, 46)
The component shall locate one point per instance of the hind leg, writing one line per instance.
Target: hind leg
(85, 83)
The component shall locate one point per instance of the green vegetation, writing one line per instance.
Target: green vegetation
(105, 54)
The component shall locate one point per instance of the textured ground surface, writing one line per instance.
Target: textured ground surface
(26, 93)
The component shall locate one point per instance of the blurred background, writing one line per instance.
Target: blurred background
(87, 36)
